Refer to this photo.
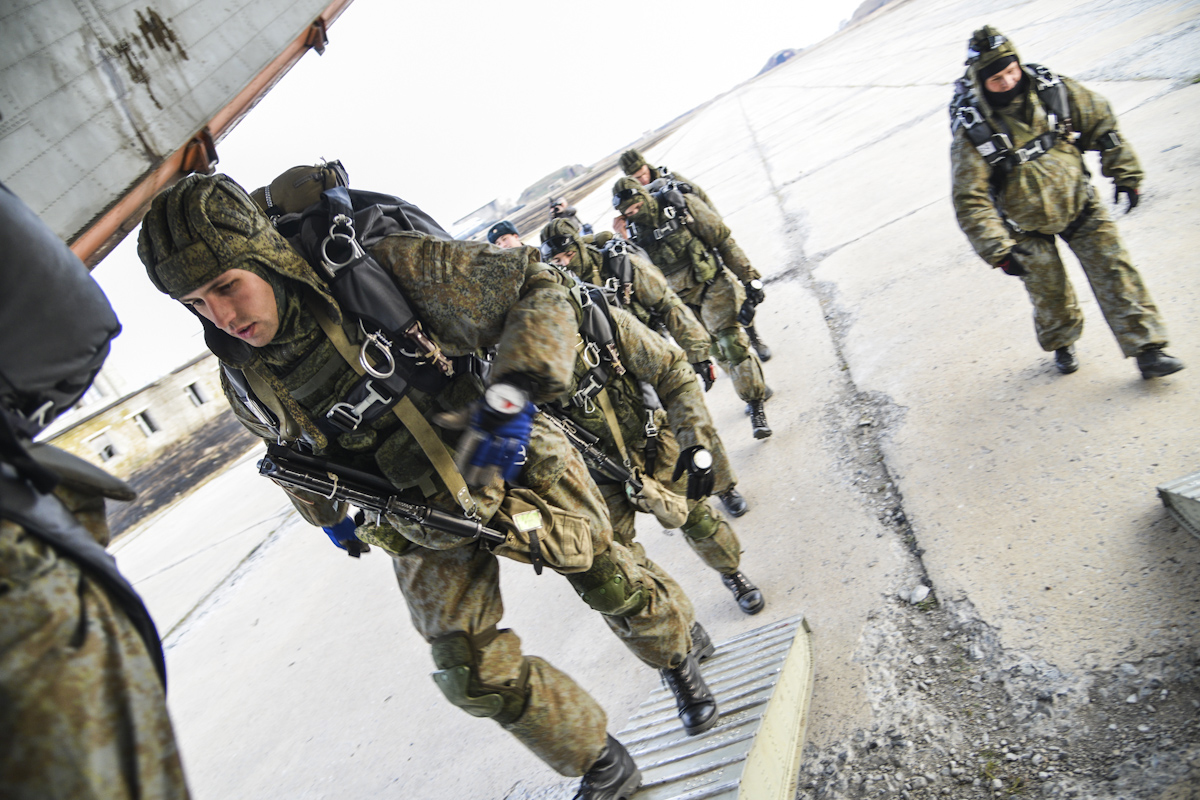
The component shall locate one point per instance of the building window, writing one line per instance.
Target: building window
(196, 394)
(103, 447)
(145, 424)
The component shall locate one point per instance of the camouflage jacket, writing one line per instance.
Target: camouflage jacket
(470, 296)
(648, 358)
(1044, 195)
(693, 245)
(651, 300)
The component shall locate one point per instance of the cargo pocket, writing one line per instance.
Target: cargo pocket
(538, 533)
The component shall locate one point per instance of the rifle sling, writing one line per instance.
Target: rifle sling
(610, 416)
(412, 419)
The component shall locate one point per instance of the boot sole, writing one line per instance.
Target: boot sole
(763, 433)
(1149, 375)
(630, 786)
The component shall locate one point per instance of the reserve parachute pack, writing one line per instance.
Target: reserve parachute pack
(997, 147)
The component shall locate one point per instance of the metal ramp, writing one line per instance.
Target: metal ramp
(1182, 499)
(763, 682)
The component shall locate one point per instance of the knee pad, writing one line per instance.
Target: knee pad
(733, 347)
(701, 524)
(607, 589)
(457, 657)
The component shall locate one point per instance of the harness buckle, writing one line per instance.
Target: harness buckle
(584, 394)
(651, 429)
(1030, 151)
(969, 116)
(346, 239)
(348, 417)
(669, 212)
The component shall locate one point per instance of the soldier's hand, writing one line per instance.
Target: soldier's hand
(707, 373)
(698, 463)
(342, 535)
(1131, 194)
(619, 227)
(1011, 265)
(498, 435)
(755, 294)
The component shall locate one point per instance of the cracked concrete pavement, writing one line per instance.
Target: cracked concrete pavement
(921, 437)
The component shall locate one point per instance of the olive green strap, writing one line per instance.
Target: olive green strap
(288, 427)
(412, 419)
(610, 417)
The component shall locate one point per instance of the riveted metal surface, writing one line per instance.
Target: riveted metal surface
(762, 680)
(1182, 499)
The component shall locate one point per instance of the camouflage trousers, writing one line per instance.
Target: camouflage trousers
(707, 532)
(82, 711)
(1123, 298)
(716, 305)
(458, 590)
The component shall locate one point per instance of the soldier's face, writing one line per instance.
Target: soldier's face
(1005, 79)
(643, 174)
(239, 303)
(508, 241)
(632, 210)
(562, 259)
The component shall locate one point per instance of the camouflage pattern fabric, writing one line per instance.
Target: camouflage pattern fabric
(685, 422)
(632, 160)
(1045, 196)
(470, 296)
(1127, 305)
(82, 711)
(652, 299)
(713, 292)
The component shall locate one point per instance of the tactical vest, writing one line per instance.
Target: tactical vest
(996, 147)
(672, 245)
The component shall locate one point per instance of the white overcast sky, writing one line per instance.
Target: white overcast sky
(453, 103)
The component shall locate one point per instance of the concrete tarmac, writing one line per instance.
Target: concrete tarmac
(921, 436)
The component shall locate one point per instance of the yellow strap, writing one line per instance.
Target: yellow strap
(433, 446)
(610, 416)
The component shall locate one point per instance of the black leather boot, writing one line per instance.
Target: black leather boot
(770, 393)
(758, 420)
(1065, 361)
(702, 646)
(749, 597)
(733, 501)
(1154, 363)
(614, 776)
(696, 704)
(760, 347)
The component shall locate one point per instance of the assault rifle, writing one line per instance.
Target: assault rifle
(369, 492)
(588, 445)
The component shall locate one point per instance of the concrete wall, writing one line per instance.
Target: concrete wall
(131, 432)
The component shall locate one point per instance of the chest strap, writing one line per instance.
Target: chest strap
(412, 419)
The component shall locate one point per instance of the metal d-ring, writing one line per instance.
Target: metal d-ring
(384, 347)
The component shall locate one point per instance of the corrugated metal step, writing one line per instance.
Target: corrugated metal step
(763, 682)
(1182, 499)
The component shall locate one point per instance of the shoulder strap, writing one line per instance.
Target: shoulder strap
(412, 419)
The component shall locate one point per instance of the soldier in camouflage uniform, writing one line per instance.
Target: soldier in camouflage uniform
(661, 443)
(560, 210)
(266, 312)
(1013, 212)
(651, 300)
(685, 246)
(634, 164)
(83, 709)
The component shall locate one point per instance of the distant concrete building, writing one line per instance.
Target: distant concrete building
(122, 433)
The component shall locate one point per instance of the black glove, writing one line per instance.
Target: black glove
(1011, 265)
(1131, 194)
(698, 463)
(707, 373)
(754, 296)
